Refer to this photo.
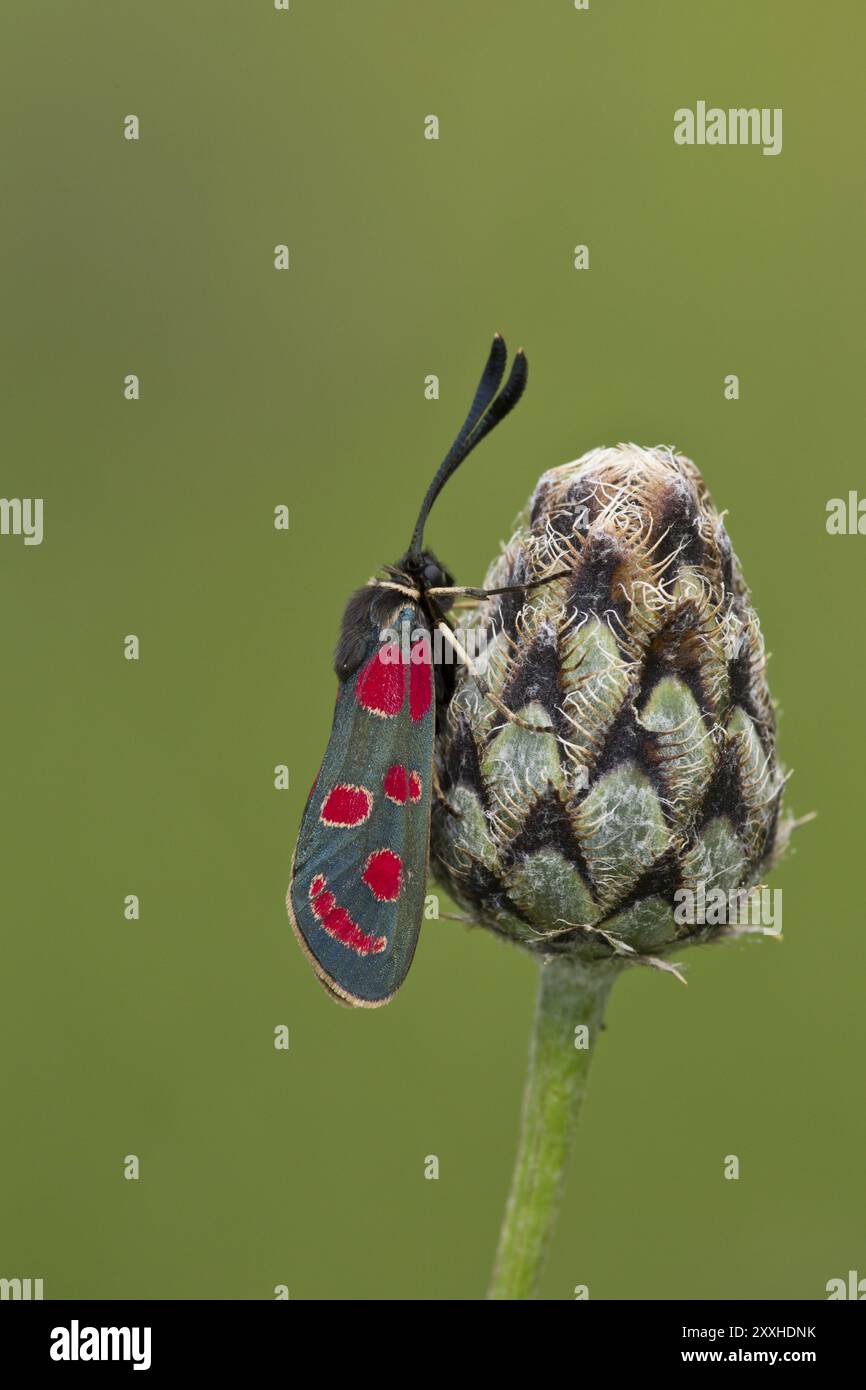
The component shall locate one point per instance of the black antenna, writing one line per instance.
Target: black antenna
(477, 424)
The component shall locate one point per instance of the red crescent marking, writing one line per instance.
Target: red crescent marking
(337, 922)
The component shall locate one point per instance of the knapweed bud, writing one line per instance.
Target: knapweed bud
(640, 765)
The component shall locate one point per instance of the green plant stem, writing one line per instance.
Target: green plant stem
(569, 994)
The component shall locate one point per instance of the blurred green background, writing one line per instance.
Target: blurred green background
(155, 1037)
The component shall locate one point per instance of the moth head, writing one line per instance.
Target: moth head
(423, 570)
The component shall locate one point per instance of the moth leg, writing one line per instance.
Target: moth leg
(506, 589)
(441, 797)
(494, 699)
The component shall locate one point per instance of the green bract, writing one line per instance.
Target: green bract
(650, 766)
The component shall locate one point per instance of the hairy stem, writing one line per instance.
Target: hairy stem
(569, 994)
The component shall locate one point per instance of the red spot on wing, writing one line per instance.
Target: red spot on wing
(383, 875)
(338, 923)
(381, 685)
(346, 805)
(394, 784)
(401, 785)
(420, 679)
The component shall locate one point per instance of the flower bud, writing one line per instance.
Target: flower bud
(638, 766)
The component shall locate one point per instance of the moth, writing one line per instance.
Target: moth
(359, 870)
